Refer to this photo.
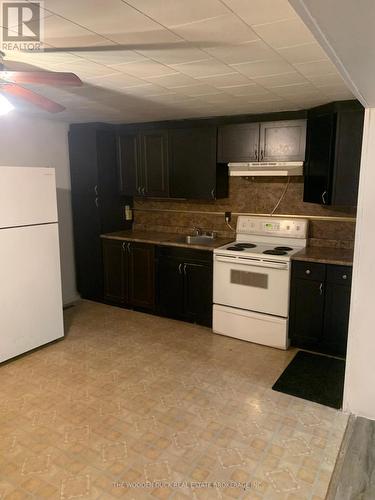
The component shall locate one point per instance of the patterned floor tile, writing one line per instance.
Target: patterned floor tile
(128, 398)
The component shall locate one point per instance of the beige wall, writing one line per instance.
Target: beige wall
(359, 395)
(30, 142)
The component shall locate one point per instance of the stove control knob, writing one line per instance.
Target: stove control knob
(344, 276)
(309, 272)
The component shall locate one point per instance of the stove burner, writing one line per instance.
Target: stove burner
(245, 245)
(238, 249)
(284, 249)
(275, 252)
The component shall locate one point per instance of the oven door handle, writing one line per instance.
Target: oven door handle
(254, 263)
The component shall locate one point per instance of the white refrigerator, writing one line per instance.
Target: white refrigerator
(31, 312)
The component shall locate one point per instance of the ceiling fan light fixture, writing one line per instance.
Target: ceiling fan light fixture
(5, 105)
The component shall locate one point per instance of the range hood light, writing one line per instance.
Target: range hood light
(266, 169)
(5, 105)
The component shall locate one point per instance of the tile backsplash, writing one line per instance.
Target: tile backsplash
(258, 196)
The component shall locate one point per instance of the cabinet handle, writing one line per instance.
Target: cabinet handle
(307, 271)
(96, 189)
(123, 246)
(261, 154)
(185, 269)
(139, 189)
(213, 193)
(344, 276)
(321, 289)
(129, 247)
(324, 197)
(180, 268)
(143, 191)
(97, 202)
(256, 153)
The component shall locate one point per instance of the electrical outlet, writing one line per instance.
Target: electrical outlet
(228, 216)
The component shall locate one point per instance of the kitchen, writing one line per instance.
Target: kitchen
(202, 240)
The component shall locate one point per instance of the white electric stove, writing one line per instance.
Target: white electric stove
(252, 279)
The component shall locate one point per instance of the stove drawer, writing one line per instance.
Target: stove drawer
(309, 270)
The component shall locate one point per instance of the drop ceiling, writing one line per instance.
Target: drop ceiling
(193, 58)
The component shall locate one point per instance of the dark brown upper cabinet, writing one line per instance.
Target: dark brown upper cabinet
(154, 163)
(283, 140)
(194, 172)
(334, 142)
(238, 143)
(143, 163)
(128, 164)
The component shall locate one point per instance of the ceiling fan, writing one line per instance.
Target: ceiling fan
(11, 84)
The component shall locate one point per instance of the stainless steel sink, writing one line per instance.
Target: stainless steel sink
(199, 239)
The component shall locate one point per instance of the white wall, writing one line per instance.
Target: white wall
(34, 142)
(359, 395)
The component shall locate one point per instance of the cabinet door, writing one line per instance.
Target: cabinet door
(115, 271)
(86, 212)
(154, 163)
(130, 181)
(321, 132)
(170, 287)
(193, 163)
(283, 140)
(141, 275)
(198, 282)
(306, 313)
(337, 307)
(238, 143)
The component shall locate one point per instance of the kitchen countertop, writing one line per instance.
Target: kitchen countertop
(325, 255)
(165, 239)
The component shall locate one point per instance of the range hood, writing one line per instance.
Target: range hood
(266, 168)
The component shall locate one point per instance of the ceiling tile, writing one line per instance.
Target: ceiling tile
(208, 67)
(255, 50)
(218, 30)
(145, 68)
(172, 12)
(250, 89)
(332, 79)
(109, 58)
(118, 80)
(316, 68)
(284, 33)
(264, 68)
(85, 69)
(176, 55)
(303, 53)
(197, 90)
(298, 90)
(59, 32)
(171, 81)
(233, 78)
(261, 11)
(278, 80)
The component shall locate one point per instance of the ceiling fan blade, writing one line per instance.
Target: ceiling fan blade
(33, 98)
(131, 46)
(41, 77)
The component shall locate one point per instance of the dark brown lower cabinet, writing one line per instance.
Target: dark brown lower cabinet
(184, 284)
(129, 274)
(319, 307)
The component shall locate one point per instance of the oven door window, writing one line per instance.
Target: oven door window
(248, 278)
